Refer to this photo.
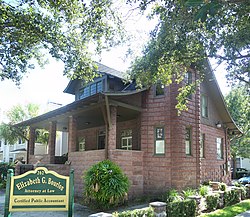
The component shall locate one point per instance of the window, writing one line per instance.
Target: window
(85, 93)
(91, 89)
(159, 140)
(188, 141)
(99, 86)
(204, 106)
(101, 139)
(188, 78)
(159, 89)
(219, 144)
(81, 143)
(188, 81)
(126, 139)
(202, 143)
(20, 141)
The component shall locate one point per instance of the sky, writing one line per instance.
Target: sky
(41, 86)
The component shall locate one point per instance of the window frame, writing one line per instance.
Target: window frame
(202, 145)
(126, 135)
(188, 77)
(188, 151)
(91, 89)
(204, 106)
(160, 139)
(219, 148)
(159, 86)
(101, 136)
(81, 144)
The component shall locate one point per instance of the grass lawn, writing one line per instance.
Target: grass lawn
(230, 211)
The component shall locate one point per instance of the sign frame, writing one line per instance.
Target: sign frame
(39, 190)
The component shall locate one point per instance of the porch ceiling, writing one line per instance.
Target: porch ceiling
(88, 113)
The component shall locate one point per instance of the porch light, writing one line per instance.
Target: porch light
(87, 123)
(218, 124)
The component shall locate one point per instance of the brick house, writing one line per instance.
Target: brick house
(141, 131)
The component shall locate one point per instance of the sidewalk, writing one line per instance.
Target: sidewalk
(244, 214)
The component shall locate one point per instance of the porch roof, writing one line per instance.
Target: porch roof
(88, 111)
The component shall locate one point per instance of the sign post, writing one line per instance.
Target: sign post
(39, 190)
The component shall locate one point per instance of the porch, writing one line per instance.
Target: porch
(100, 127)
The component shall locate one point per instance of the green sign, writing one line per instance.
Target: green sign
(39, 190)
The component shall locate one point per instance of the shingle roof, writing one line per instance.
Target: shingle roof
(107, 70)
(101, 69)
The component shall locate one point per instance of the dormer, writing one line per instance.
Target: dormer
(110, 80)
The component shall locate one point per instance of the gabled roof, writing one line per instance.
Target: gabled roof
(102, 69)
(215, 91)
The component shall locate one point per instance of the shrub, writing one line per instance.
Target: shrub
(222, 186)
(188, 192)
(149, 212)
(171, 195)
(181, 208)
(243, 192)
(4, 167)
(212, 201)
(203, 191)
(232, 197)
(105, 185)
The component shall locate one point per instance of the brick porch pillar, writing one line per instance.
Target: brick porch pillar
(112, 131)
(72, 134)
(52, 141)
(32, 139)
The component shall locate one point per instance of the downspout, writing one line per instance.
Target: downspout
(226, 151)
(198, 116)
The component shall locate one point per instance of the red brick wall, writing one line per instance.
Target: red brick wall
(131, 163)
(174, 169)
(185, 169)
(80, 162)
(212, 168)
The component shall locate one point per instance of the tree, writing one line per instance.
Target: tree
(17, 114)
(188, 33)
(65, 29)
(238, 102)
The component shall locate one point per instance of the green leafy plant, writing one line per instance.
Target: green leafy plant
(232, 196)
(181, 208)
(203, 190)
(212, 201)
(149, 212)
(222, 186)
(105, 185)
(188, 192)
(171, 195)
(243, 192)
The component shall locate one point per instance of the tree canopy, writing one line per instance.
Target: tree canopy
(15, 115)
(67, 30)
(189, 32)
(238, 102)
